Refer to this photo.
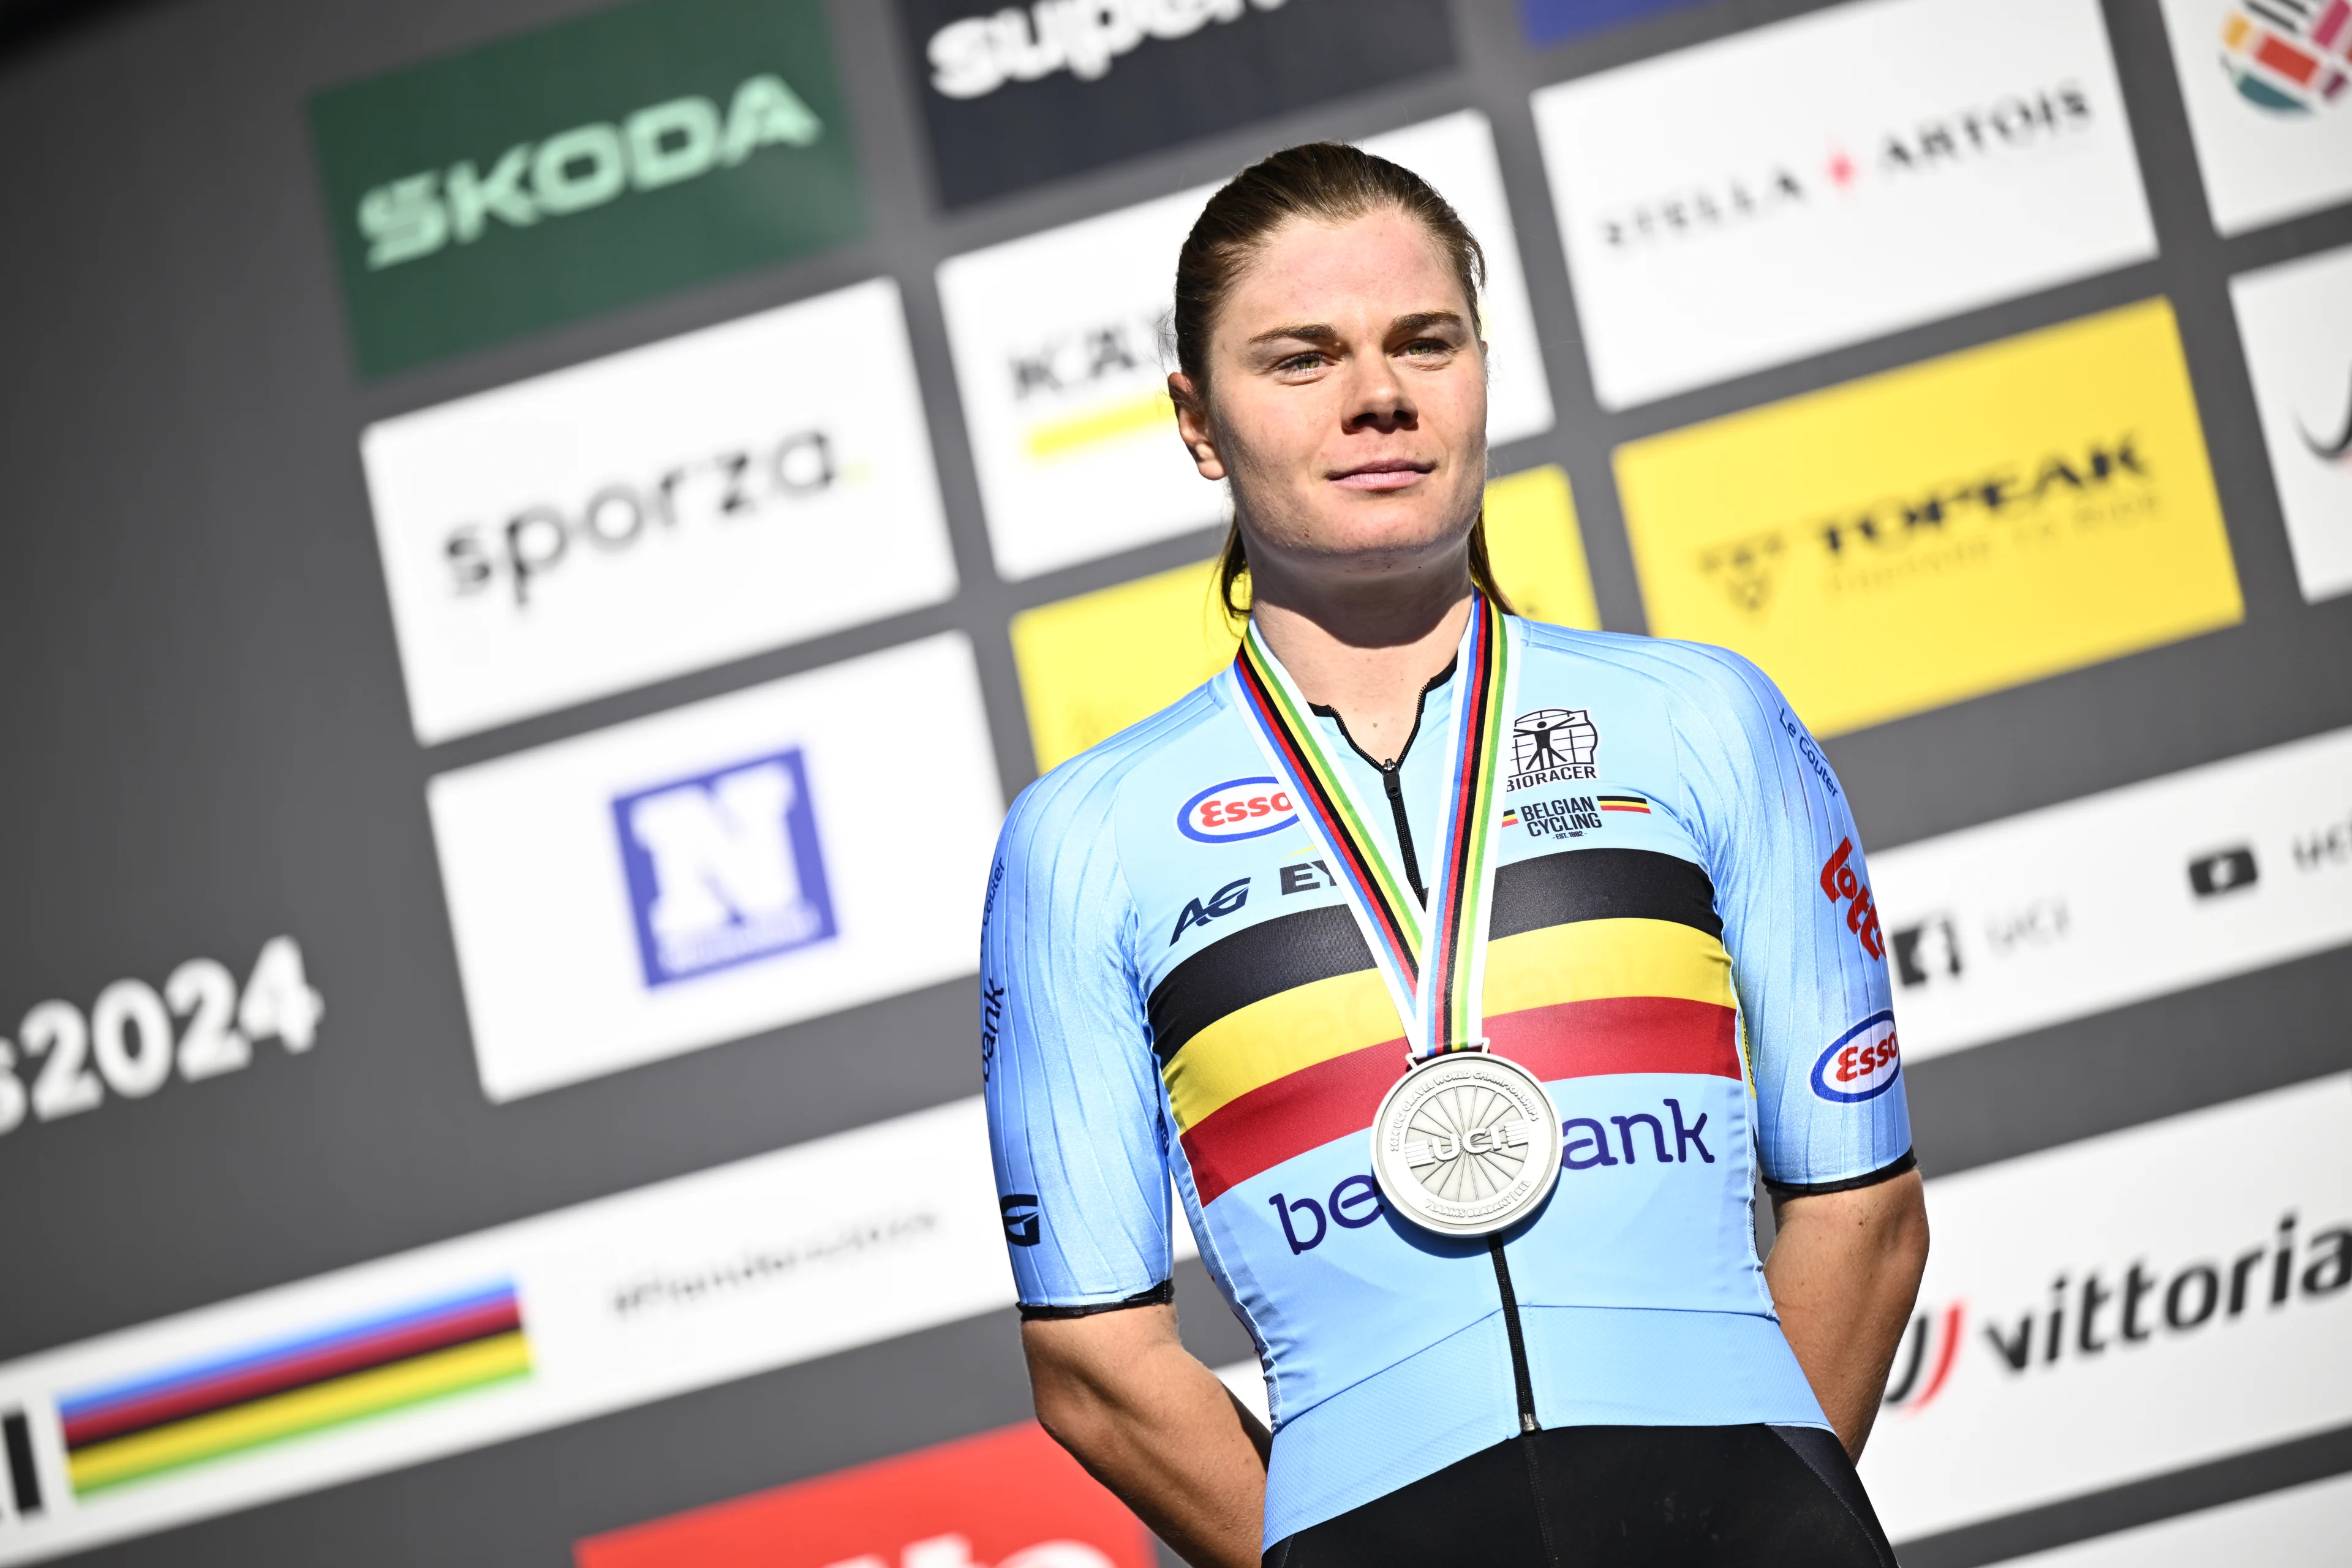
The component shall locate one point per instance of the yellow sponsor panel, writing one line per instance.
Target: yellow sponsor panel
(1055, 438)
(1092, 665)
(1946, 530)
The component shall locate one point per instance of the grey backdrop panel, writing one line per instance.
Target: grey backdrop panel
(207, 740)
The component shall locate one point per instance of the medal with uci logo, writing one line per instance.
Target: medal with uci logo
(1467, 1142)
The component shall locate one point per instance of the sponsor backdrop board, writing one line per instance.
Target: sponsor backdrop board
(548, 530)
(2268, 85)
(1093, 664)
(2296, 320)
(2200, 1262)
(601, 160)
(747, 862)
(1765, 197)
(1947, 530)
(2013, 926)
(1025, 94)
(1011, 1497)
(2297, 1526)
(641, 516)
(1062, 354)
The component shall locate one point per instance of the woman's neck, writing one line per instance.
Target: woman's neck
(1367, 650)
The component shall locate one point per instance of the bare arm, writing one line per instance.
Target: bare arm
(1121, 1392)
(1844, 1271)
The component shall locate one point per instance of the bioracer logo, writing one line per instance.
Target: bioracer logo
(1238, 808)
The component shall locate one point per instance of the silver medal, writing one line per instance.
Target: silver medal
(1467, 1144)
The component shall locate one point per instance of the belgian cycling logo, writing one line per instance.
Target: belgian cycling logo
(1562, 816)
(2288, 56)
(724, 867)
(1238, 808)
(1860, 1063)
(1841, 886)
(1552, 745)
(1225, 900)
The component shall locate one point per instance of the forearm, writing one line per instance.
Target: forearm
(1844, 1272)
(1148, 1420)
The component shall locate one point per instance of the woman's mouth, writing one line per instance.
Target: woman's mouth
(1389, 474)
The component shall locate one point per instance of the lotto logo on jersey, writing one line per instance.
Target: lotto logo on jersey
(1860, 1063)
(1238, 808)
(724, 867)
(1840, 885)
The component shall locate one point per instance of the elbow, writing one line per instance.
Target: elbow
(1907, 1238)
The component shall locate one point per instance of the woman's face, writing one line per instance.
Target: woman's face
(1347, 400)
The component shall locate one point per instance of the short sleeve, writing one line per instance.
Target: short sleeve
(1073, 1099)
(1808, 958)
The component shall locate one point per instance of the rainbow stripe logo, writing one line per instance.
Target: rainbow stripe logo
(288, 1388)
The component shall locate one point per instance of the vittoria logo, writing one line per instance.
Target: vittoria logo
(1841, 886)
(1552, 745)
(724, 867)
(2015, 125)
(2335, 448)
(1860, 1063)
(1930, 1349)
(1238, 808)
(1945, 528)
(2288, 56)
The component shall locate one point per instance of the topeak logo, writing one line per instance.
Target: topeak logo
(974, 56)
(665, 143)
(1948, 527)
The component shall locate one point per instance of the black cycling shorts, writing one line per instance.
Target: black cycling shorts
(1601, 1497)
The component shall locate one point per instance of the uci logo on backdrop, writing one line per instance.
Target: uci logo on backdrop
(580, 167)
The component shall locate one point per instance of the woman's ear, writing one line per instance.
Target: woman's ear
(1192, 425)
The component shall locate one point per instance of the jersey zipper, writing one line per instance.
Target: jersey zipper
(1522, 1380)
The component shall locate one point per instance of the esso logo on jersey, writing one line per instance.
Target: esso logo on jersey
(1238, 808)
(1860, 1063)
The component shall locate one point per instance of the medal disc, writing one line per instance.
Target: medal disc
(1467, 1144)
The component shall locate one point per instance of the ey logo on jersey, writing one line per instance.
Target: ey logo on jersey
(724, 867)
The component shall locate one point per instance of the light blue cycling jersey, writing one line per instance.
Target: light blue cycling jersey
(1684, 947)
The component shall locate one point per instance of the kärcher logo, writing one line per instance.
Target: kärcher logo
(974, 56)
(665, 143)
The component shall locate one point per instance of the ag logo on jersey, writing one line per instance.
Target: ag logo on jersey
(1860, 1063)
(1238, 808)
(724, 867)
(1551, 745)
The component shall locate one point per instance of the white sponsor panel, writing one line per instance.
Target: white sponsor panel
(657, 512)
(1061, 357)
(2118, 896)
(2268, 85)
(2301, 1527)
(2125, 1307)
(1818, 182)
(2296, 320)
(732, 866)
(783, 1258)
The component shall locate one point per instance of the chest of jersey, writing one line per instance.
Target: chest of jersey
(1273, 1031)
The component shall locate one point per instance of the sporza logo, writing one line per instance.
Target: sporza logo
(1237, 809)
(724, 867)
(1860, 1063)
(1553, 745)
(973, 57)
(665, 143)
(2288, 56)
